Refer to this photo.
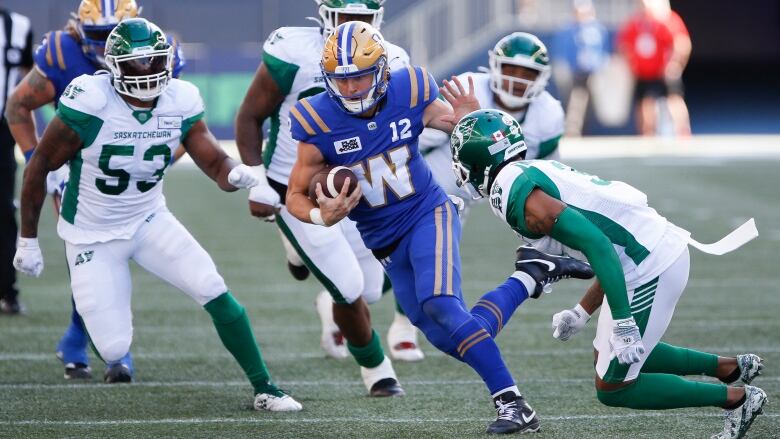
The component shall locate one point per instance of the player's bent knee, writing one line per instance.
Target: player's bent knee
(446, 311)
(372, 295)
(617, 397)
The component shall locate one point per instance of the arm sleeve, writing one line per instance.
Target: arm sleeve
(432, 86)
(300, 128)
(575, 231)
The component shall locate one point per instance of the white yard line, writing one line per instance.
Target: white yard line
(296, 418)
(38, 356)
(524, 380)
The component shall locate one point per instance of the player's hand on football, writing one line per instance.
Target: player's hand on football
(243, 176)
(28, 258)
(462, 102)
(334, 210)
(569, 322)
(626, 341)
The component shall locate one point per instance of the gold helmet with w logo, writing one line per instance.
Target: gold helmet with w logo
(355, 50)
(96, 19)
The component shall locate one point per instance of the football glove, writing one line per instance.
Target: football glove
(28, 258)
(569, 322)
(626, 341)
(243, 176)
(459, 203)
(263, 193)
(56, 180)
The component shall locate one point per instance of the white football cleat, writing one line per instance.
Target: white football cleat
(402, 338)
(273, 403)
(331, 339)
(738, 420)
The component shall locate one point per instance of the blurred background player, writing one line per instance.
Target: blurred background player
(18, 60)
(641, 261)
(114, 209)
(515, 82)
(63, 56)
(582, 48)
(290, 71)
(657, 46)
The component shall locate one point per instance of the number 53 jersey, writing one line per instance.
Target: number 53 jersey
(398, 187)
(116, 177)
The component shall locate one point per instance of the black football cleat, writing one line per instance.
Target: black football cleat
(547, 269)
(299, 272)
(514, 415)
(386, 387)
(118, 373)
(77, 371)
(12, 307)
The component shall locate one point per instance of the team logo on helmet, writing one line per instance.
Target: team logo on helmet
(355, 50)
(96, 19)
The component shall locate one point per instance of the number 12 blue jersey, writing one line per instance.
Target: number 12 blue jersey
(398, 187)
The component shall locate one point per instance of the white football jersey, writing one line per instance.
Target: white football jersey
(292, 55)
(619, 210)
(542, 121)
(116, 178)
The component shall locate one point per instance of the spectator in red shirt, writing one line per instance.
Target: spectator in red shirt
(657, 46)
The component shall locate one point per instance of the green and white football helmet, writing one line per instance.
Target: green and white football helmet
(329, 11)
(480, 142)
(139, 58)
(524, 50)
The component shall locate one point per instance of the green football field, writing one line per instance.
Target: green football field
(188, 386)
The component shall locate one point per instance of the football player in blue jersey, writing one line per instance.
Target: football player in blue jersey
(63, 56)
(369, 119)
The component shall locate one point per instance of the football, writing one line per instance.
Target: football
(332, 180)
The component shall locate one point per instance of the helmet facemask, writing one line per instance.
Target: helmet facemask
(143, 74)
(365, 99)
(331, 17)
(504, 85)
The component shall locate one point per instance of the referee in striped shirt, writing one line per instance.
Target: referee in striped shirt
(16, 59)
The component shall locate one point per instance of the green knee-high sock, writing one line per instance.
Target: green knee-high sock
(234, 330)
(666, 358)
(659, 391)
(370, 355)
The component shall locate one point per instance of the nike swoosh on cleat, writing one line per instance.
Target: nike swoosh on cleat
(550, 265)
(529, 418)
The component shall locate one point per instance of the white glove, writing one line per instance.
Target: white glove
(263, 193)
(626, 341)
(569, 322)
(458, 202)
(56, 180)
(28, 258)
(243, 176)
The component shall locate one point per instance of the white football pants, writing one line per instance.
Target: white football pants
(101, 284)
(336, 256)
(652, 306)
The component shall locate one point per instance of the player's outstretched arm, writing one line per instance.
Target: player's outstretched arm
(205, 151)
(329, 211)
(262, 98)
(444, 117)
(33, 92)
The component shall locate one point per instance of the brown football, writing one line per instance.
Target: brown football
(331, 179)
